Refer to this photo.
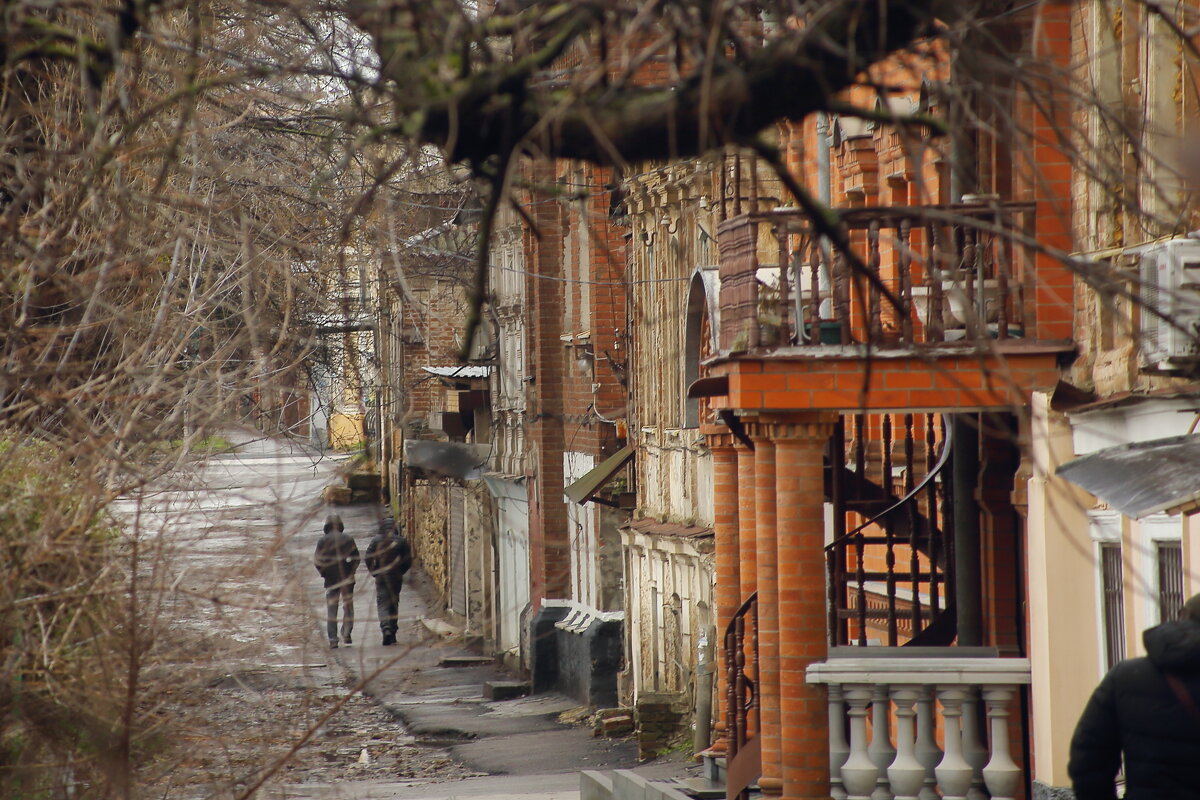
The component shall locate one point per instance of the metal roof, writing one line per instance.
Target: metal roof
(464, 371)
(1143, 478)
(594, 480)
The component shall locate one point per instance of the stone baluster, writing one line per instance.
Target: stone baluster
(927, 751)
(906, 774)
(881, 751)
(974, 751)
(838, 749)
(859, 773)
(953, 773)
(1002, 775)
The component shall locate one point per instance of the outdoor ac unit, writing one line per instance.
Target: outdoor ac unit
(1170, 284)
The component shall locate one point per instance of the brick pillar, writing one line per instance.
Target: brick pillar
(768, 609)
(747, 554)
(728, 585)
(799, 485)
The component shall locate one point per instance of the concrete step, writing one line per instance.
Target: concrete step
(714, 768)
(505, 690)
(703, 788)
(466, 661)
(595, 785)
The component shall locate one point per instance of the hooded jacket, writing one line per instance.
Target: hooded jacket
(389, 555)
(1135, 711)
(336, 557)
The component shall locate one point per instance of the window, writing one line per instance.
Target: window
(1113, 602)
(1170, 580)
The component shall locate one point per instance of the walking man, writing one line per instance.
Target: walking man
(388, 558)
(336, 559)
(1148, 710)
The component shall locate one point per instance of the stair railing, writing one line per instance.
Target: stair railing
(846, 556)
(741, 655)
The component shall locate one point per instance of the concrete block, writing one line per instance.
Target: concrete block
(616, 726)
(505, 690)
(595, 785)
(337, 495)
(667, 790)
(628, 785)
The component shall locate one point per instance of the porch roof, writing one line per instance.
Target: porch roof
(1142, 478)
(598, 477)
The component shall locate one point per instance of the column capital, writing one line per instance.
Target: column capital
(813, 425)
(720, 440)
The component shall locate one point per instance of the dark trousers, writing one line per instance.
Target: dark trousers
(387, 600)
(342, 593)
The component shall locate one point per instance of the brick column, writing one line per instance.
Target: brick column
(799, 485)
(728, 585)
(768, 609)
(747, 554)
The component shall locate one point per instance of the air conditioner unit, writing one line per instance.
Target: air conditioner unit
(1170, 284)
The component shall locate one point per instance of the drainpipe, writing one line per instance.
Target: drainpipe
(968, 575)
(704, 690)
(825, 195)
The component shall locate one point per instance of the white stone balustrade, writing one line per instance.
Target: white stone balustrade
(904, 761)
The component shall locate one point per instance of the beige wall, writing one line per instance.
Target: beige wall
(1063, 612)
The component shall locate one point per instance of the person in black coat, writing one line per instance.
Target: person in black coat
(336, 559)
(1147, 709)
(389, 557)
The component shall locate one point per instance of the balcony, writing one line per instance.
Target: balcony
(955, 307)
(925, 736)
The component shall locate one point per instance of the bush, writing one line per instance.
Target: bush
(60, 597)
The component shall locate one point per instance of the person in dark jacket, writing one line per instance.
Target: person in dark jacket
(336, 559)
(389, 557)
(1147, 709)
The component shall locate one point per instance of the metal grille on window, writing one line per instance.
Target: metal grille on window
(1170, 580)
(1114, 603)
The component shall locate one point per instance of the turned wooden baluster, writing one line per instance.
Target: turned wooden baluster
(914, 525)
(931, 520)
(859, 773)
(1002, 775)
(903, 266)
(935, 326)
(874, 309)
(906, 774)
(927, 751)
(881, 751)
(785, 327)
(953, 773)
(889, 558)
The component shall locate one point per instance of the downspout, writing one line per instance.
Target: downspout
(968, 575)
(825, 195)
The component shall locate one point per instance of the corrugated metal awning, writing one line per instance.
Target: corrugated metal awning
(1142, 478)
(465, 371)
(596, 478)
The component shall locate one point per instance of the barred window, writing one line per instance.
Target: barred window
(1114, 602)
(1170, 580)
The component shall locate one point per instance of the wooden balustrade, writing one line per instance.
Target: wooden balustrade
(974, 760)
(913, 275)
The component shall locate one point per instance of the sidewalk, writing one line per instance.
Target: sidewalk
(519, 746)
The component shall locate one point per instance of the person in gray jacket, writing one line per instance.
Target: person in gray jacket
(336, 559)
(389, 556)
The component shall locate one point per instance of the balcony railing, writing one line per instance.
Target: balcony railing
(972, 757)
(917, 275)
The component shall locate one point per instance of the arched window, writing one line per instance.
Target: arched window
(700, 334)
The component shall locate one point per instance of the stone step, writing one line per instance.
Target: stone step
(505, 690)
(703, 788)
(465, 661)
